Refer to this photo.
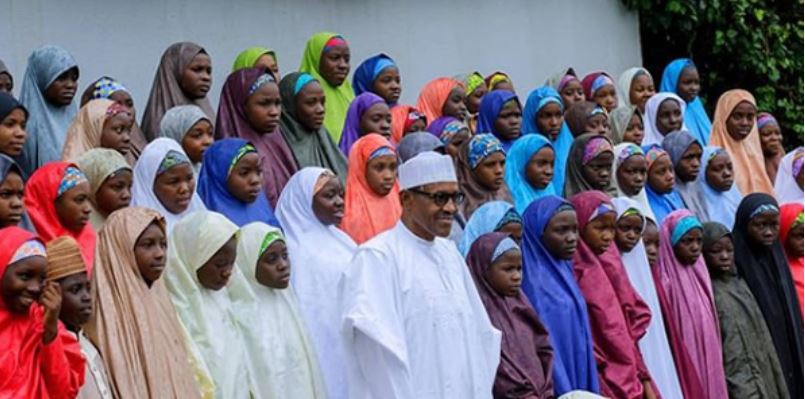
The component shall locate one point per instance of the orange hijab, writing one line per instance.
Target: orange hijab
(747, 154)
(367, 214)
(433, 96)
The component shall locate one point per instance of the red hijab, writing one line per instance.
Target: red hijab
(788, 215)
(29, 368)
(434, 95)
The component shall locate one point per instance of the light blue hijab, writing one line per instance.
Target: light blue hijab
(47, 123)
(537, 99)
(721, 205)
(516, 161)
(696, 119)
(485, 219)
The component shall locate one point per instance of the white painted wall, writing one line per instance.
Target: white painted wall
(529, 39)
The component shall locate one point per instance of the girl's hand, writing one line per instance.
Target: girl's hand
(51, 301)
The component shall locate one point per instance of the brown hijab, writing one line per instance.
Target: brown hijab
(105, 87)
(470, 155)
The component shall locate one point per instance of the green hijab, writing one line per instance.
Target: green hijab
(338, 98)
(248, 57)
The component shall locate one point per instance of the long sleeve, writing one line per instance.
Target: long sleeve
(63, 366)
(385, 376)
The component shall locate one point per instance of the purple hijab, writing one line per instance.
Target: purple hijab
(276, 157)
(352, 125)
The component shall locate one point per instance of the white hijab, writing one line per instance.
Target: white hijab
(786, 187)
(624, 86)
(641, 197)
(652, 135)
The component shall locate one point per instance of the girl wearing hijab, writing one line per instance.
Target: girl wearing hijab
(100, 124)
(750, 362)
(250, 108)
(716, 185)
(635, 87)
(380, 75)
(626, 125)
(629, 174)
(600, 88)
(281, 359)
(326, 58)
(530, 170)
(791, 237)
(501, 114)
(372, 199)
(771, 141)
(110, 89)
(110, 179)
(665, 113)
(681, 77)
(257, 57)
(6, 80)
(310, 208)
(761, 261)
(451, 132)
(568, 85)
(587, 117)
(549, 242)
(48, 89)
(38, 360)
(189, 126)
(405, 119)
(368, 113)
(526, 365)
(302, 124)
(474, 89)
(443, 97)
(480, 170)
(590, 165)
(660, 190)
(494, 216)
(164, 182)
(12, 209)
(686, 155)
(544, 114)
(57, 200)
(230, 183)
(686, 283)
(133, 323)
(184, 77)
(788, 183)
(499, 81)
(13, 117)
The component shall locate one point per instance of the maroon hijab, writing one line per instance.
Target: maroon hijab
(526, 358)
(277, 159)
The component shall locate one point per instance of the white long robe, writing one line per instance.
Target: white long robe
(414, 324)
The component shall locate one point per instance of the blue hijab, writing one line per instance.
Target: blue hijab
(549, 284)
(516, 161)
(696, 119)
(213, 189)
(488, 112)
(722, 206)
(539, 98)
(488, 218)
(661, 204)
(364, 78)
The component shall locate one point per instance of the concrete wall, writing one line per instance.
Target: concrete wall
(529, 39)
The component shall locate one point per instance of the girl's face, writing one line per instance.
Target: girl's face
(600, 232)
(114, 193)
(387, 85)
(61, 92)
(489, 172)
(123, 98)
(310, 106)
(76, 302)
(719, 173)
(505, 274)
(6, 83)
(720, 256)
(11, 205)
(263, 108)
(116, 133)
(561, 235)
(628, 232)
(641, 90)
(539, 170)
(651, 240)
(634, 130)
(661, 175)
(513, 229)
(598, 172)
(452, 147)
(197, 77)
(246, 178)
(689, 248)
(688, 85)
(12, 133)
(606, 97)
(334, 64)
(267, 62)
(669, 116)
(631, 175)
(418, 126)
(771, 139)
(197, 140)
(454, 105)
(274, 267)
(572, 93)
(688, 166)
(381, 173)
(598, 124)
(73, 207)
(741, 120)
(473, 101)
(549, 120)
(794, 242)
(149, 253)
(174, 188)
(22, 283)
(328, 203)
(764, 228)
(509, 120)
(376, 119)
(215, 273)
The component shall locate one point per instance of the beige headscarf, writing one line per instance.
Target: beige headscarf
(99, 164)
(85, 132)
(133, 326)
